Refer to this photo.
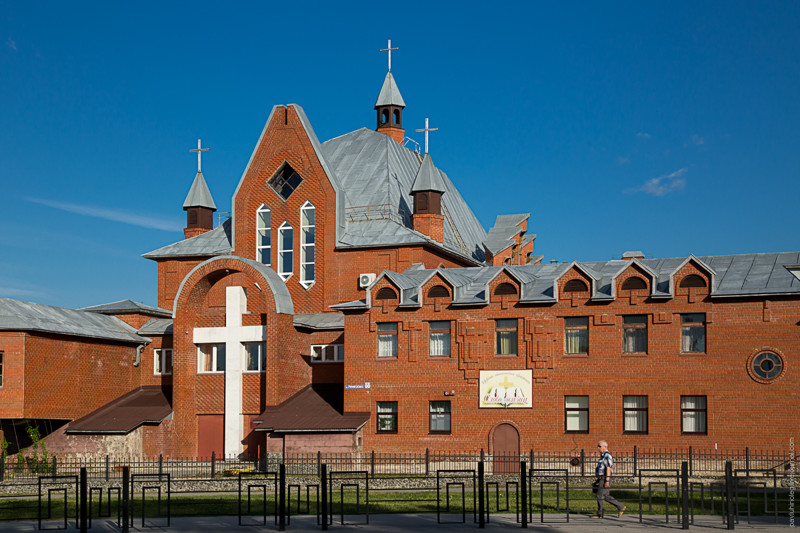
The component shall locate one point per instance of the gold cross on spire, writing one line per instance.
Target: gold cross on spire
(199, 150)
(389, 49)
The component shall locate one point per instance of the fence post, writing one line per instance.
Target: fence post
(583, 462)
(126, 485)
(83, 515)
(319, 463)
(685, 494)
(691, 470)
(282, 499)
(481, 505)
(427, 461)
(160, 464)
(372, 464)
(108, 468)
(2, 465)
(729, 493)
(55, 466)
(213, 465)
(324, 490)
(523, 485)
(747, 461)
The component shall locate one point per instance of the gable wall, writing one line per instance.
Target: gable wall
(12, 393)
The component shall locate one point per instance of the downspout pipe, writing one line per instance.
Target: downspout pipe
(139, 349)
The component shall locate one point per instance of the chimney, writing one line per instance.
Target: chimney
(627, 256)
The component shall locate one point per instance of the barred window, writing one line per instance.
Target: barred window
(634, 414)
(635, 334)
(693, 333)
(576, 335)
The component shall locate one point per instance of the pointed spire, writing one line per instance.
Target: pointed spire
(428, 177)
(390, 94)
(199, 195)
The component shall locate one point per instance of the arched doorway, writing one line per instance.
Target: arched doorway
(505, 449)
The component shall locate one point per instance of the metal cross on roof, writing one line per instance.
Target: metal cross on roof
(389, 49)
(199, 150)
(426, 130)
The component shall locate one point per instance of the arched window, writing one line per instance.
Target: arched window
(384, 117)
(263, 237)
(438, 291)
(693, 280)
(575, 285)
(308, 216)
(397, 117)
(505, 289)
(285, 250)
(634, 283)
(386, 294)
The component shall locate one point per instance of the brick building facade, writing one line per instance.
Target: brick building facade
(353, 301)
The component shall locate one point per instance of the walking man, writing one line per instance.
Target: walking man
(603, 482)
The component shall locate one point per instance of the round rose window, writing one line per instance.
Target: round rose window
(766, 366)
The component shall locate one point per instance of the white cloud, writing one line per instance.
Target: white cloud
(116, 215)
(643, 135)
(663, 185)
(698, 140)
(623, 159)
(11, 44)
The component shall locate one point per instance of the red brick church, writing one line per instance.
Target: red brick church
(352, 301)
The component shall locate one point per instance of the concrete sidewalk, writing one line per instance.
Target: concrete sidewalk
(416, 523)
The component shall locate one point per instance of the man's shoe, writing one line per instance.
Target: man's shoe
(596, 516)
(621, 511)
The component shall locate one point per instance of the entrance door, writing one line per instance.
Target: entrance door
(505, 449)
(210, 430)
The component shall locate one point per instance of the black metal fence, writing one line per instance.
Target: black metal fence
(577, 463)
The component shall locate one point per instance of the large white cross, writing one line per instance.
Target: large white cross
(426, 130)
(199, 153)
(233, 335)
(389, 49)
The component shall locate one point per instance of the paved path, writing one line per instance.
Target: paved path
(422, 523)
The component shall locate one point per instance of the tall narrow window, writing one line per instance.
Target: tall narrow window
(308, 215)
(634, 414)
(263, 237)
(387, 417)
(210, 358)
(506, 331)
(576, 331)
(285, 250)
(439, 417)
(635, 334)
(162, 363)
(576, 414)
(694, 415)
(387, 339)
(440, 338)
(693, 333)
(255, 356)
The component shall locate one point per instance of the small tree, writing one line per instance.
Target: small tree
(34, 463)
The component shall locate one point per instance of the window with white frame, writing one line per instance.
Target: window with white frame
(255, 356)
(162, 363)
(694, 415)
(263, 235)
(285, 250)
(308, 216)
(440, 338)
(330, 353)
(387, 339)
(634, 414)
(210, 358)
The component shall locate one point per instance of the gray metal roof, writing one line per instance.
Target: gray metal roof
(377, 175)
(731, 276)
(428, 178)
(127, 306)
(16, 315)
(320, 321)
(504, 232)
(199, 195)
(390, 94)
(211, 243)
(157, 326)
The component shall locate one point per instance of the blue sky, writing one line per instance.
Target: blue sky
(670, 128)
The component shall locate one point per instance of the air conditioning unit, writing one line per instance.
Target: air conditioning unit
(365, 279)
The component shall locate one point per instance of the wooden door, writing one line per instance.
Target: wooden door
(210, 436)
(505, 449)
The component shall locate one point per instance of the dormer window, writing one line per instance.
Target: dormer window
(308, 216)
(634, 283)
(285, 181)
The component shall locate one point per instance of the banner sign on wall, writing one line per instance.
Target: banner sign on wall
(506, 388)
